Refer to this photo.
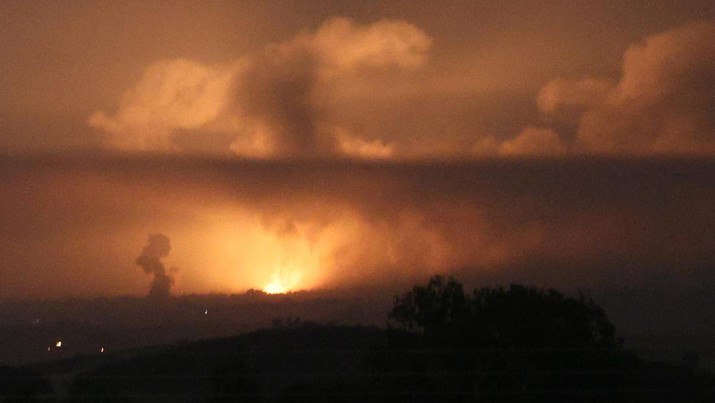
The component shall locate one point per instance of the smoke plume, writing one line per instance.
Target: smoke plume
(276, 102)
(157, 247)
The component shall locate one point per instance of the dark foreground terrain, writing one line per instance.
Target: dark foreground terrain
(30, 330)
(443, 344)
(313, 363)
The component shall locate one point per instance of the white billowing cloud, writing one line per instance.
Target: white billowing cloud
(664, 102)
(344, 46)
(172, 94)
(273, 103)
(280, 102)
(533, 141)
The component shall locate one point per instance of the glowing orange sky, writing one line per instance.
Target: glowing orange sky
(455, 78)
(74, 226)
(315, 144)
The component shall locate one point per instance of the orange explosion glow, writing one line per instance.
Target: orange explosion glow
(252, 254)
(282, 282)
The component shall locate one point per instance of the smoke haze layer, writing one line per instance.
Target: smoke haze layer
(75, 222)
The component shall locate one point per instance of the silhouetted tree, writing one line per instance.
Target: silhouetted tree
(516, 342)
(440, 305)
(527, 317)
(497, 317)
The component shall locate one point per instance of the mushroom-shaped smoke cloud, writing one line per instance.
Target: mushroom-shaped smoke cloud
(157, 247)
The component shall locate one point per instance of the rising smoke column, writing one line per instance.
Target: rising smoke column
(157, 247)
(275, 102)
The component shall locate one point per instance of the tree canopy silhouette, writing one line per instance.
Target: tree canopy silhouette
(500, 343)
(518, 316)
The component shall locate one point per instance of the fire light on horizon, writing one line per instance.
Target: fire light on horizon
(283, 283)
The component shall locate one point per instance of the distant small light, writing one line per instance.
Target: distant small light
(58, 344)
(49, 348)
(206, 312)
(101, 349)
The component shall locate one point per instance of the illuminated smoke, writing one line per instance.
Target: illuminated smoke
(572, 222)
(276, 102)
(661, 104)
(157, 247)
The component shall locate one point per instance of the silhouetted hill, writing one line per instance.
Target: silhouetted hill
(494, 344)
(660, 325)
(265, 365)
(30, 330)
(319, 363)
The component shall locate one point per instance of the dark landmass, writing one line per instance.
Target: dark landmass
(317, 363)
(660, 324)
(30, 330)
(442, 344)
